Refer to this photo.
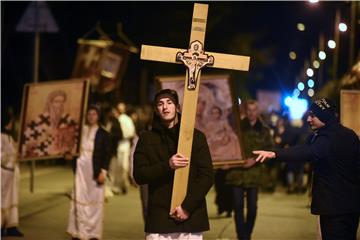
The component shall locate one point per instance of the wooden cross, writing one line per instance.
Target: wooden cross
(194, 59)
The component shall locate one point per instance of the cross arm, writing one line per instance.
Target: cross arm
(166, 54)
(229, 61)
(160, 54)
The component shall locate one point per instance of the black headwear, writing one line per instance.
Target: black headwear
(172, 94)
(324, 109)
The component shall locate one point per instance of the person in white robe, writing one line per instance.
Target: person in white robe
(86, 207)
(122, 170)
(10, 177)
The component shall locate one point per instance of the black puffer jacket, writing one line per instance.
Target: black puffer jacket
(151, 166)
(335, 154)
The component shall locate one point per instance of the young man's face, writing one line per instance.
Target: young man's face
(314, 122)
(166, 109)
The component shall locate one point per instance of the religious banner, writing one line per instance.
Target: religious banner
(216, 116)
(350, 109)
(51, 119)
(102, 62)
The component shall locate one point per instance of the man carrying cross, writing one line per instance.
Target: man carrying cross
(155, 161)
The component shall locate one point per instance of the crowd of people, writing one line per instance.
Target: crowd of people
(124, 146)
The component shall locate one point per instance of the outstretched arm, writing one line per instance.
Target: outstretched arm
(263, 155)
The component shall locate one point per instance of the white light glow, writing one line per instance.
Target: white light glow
(322, 55)
(331, 44)
(311, 92)
(316, 64)
(309, 72)
(342, 27)
(292, 55)
(300, 27)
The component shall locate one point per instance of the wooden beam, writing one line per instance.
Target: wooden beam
(166, 54)
(159, 54)
(198, 29)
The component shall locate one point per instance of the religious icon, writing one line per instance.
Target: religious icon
(350, 109)
(102, 62)
(216, 116)
(52, 115)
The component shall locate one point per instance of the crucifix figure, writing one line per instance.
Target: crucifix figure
(194, 59)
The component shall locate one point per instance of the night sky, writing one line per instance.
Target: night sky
(265, 31)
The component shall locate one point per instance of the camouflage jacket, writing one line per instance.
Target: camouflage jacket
(255, 137)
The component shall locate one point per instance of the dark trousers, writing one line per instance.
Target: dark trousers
(224, 193)
(245, 224)
(339, 227)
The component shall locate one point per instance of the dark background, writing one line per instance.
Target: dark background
(265, 31)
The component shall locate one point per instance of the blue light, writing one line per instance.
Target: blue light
(297, 106)
(301, 86)
(287, 101)
(310, 83)
(296, 92)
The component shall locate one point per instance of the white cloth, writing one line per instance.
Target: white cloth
(10, 177)
(174, 236)
(121, 167)
(86, 208)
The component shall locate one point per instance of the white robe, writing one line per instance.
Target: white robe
(10, 177)
(120, 170)
(174, 236)
(86, 216)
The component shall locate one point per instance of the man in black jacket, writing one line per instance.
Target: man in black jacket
(155, 161)
(334, 151)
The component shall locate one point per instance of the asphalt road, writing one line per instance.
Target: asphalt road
(44, 213)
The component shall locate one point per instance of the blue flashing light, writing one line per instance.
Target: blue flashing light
(297, 106)
(311, 83)
(287, 101)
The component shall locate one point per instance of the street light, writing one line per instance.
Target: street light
(292, 55)
(322, 55)
(311, 92)
(300, 27)
(313, 1)
(316, 64)
(342, 27)
(301, 86)
(331, 44)
(310, 83)
(309, 72)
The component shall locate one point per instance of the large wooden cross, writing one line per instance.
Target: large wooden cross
(194, 59)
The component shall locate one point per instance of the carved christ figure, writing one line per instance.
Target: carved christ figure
(194, 59)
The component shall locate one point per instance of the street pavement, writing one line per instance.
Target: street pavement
(44, 213)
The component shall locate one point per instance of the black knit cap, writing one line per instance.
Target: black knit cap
(172, 94)
(324, 109)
